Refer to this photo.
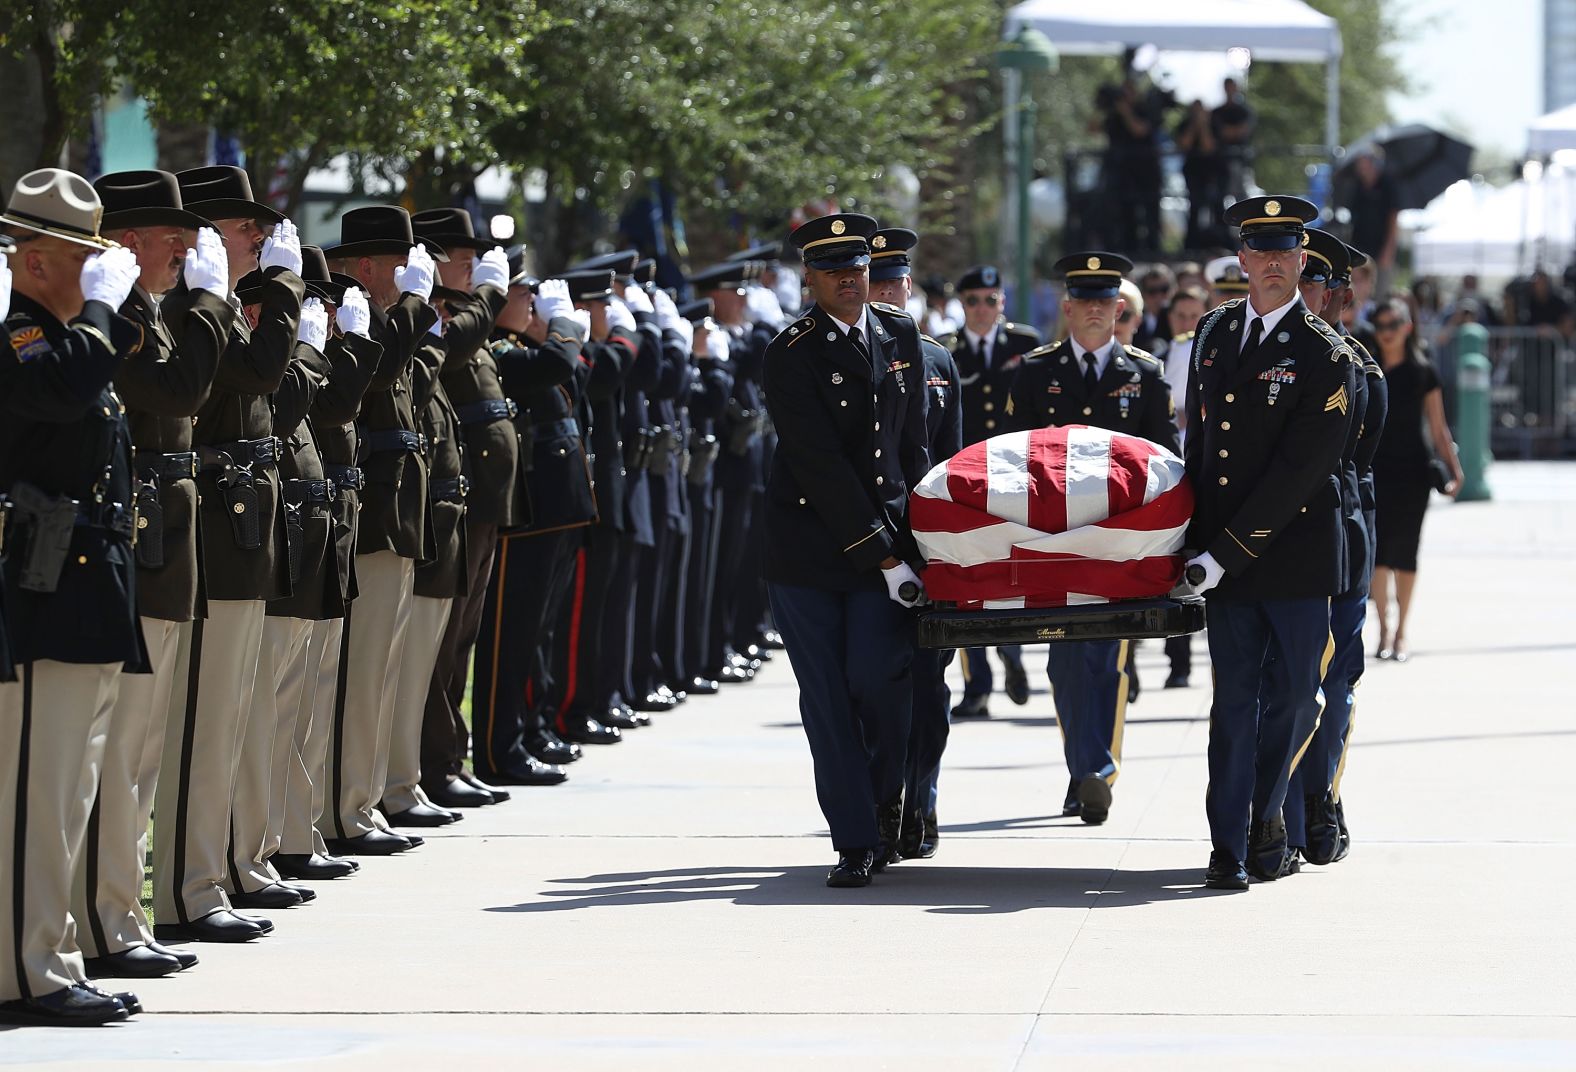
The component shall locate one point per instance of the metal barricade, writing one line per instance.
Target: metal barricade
(1533, 389)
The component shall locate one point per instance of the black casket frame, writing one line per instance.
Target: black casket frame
(944, 626)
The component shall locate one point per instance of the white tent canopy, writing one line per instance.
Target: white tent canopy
(1273, 30)
(1553, 132)
(1500, 232)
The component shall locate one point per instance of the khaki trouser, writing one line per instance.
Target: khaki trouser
(358, 761)
(306, 781)
(106, 896)
(266, 748)
(191, 810)
(428, 619)
(53, 723)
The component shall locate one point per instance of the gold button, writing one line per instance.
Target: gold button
(990, 424)
(82, 560)
(239, 508)
(142, 522)
(1224, 481)
(1087, 411)
(880, 480)
(108, 411)
(989, 406)
(878, 452)
(985, 389)
(1231, 398)
(878, 426)
(844, 402)
(359, 505)
(1225, 454)
(801, 501)
(1225, 426)
(1304, 510)
(484, 454)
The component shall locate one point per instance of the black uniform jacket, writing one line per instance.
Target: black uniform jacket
(1357, 549)
(710, 388)
(163, 387)
(541, 381)
(1130, 396)
(1264, 445)
(943, 416)
(604, 366)
(637, 431)
(394, 504)
(443, 577)
(237, 408)
(470, 381)
(851, 442)
(348, 364)
(667, 420)
(308, 504)
(985, 389)
(741, 465)
(1375, 411)
(63, 431)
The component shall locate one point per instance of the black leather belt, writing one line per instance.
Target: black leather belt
(300, 491)
(486, 411)
(345, 477)
(556, 429)
(263, 452)
(181, 466)
(454, 489)
(396, 439)
(111, 516)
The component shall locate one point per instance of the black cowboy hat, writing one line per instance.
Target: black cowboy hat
(378, 230)
(143, 199)
(319, 280)
(450, 228)
(222, 192)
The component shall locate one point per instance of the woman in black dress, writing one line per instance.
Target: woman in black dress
(1414, 434)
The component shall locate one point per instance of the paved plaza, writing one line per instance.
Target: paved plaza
(665, 909)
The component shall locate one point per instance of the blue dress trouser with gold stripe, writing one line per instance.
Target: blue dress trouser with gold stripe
(927, 738)
(851, 653)
(1317, 772)
(1278, 645)
(1089, 687)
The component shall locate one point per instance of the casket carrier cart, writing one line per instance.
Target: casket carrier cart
(1057, 534)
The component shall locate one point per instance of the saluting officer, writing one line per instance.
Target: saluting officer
(988, 350)
(891, 284)
(1269, 406)
(1091, 378)
(65, 467)
(845, 385)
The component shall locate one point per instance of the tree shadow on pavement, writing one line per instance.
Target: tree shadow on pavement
(940, 889)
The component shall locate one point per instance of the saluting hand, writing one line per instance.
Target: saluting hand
(353, 315)
(109, 276)
(417, 274)
(492, 270)
(636, 298)
(619, 319)
(207, 265)
(764, 308)
(668, 318)
(552, 300)
(312, 328)
(282, 249)
(717, 345)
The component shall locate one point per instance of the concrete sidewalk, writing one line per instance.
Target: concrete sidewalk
(665, 909)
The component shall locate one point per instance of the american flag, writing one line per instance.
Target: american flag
(1053, 517)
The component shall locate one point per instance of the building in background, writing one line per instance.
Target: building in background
(1559, 54)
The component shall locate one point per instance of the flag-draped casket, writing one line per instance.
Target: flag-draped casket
(1053, 517)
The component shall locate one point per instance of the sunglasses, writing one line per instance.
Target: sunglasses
(1387, 325)
(975, 299)
(1162, 291)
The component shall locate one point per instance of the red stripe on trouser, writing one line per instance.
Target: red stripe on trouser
(576, 609)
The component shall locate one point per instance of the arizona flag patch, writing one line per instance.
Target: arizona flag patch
(29, 343)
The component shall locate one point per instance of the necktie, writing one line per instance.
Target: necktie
(1090, 376)
(1254, 337)
(979, 352)
(859, 343)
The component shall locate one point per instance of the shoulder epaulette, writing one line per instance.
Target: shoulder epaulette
(933, 342)
(1184, 337)
(893, 309)
(1339, 347)
(799, 329)
(1042, 351)
(1020, 329)
(1142, 354)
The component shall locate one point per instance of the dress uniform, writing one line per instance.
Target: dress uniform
(987, 365)
(245, 564)
(70, 580)
(850, 416)
(392, 532)
(162, 388)
(1269, 406)
(509, 739)
(1123, 389)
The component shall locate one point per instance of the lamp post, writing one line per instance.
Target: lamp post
(1026, 52)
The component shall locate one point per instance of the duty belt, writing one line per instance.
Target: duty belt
(299, 491)
(182, 466)
(453, 490)
(556, 429)
(394, 440)
(486, 411)
(345, 477)
(263, 452)
(111, 516)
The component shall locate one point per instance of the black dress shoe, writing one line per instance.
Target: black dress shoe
(1321, 830)
(1225, 872)
(415, 842)
(1291, 865)
(188, 960)
(422, 815)
(1070, 805)
(704, 686)
(300, 866)
(972, 707)
(668, 692)
(532, 772)
(264, 926)
(551, 749)
(1177, 681)
(654, 701)
(128, 1001)
(1267, 849)
(73, 1006)
(616, 718)
(640, 718)
(731, 675)
(355, 865)
(927, 847)
(307, 892)
(853, 869)
(455, 793)
(138, 962)
(1346, 835)
(589, 731)
(889, 828)
(274, 895)
(498, 793)
(376, 843)
(1094, 800)
(1016, 684)
(772, 639)
(220, 926)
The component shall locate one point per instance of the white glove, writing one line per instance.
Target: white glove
(764, 308)
(686, 332)
(312, 328)
(5, 288)
(1213, 572)
(109, 276)
(353, 315)
(582, 319)
(717, 345)
(667, 312)
(207, 265)
(416, 277)
(282, 249)
(636, 298)
(492, 270)
(552, 300)
(896, 578)
(620, 320)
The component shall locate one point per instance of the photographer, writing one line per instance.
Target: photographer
(1131, 172)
